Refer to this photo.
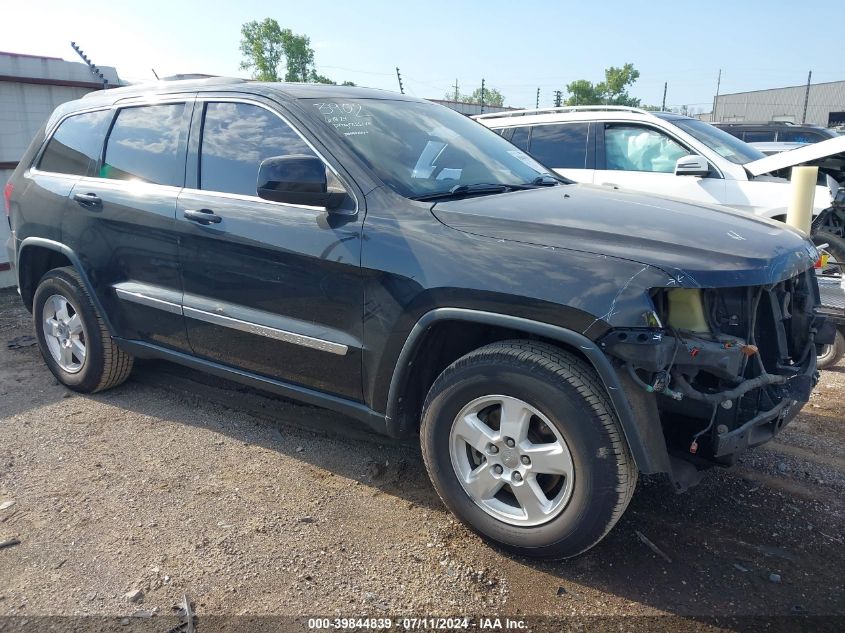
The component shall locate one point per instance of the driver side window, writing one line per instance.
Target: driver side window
(236, 137)
(639, 148)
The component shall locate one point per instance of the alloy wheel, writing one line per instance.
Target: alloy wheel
(63, 333)
(511, 460)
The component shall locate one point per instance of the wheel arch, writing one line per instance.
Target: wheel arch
(637, 413)
(37, 256)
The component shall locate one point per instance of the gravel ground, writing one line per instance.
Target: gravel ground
(177, 482)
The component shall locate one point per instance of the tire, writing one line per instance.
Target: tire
(835, 246)
(832, 353)
(95, 362)
(565, 400)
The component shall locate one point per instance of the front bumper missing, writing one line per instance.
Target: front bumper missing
(765, 425)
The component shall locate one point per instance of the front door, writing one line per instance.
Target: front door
(274, 289)
(642, 158)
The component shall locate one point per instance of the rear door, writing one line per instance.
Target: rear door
(274, 289)
(642, 158)
(122, 220)
(69, 155)
(568, 148)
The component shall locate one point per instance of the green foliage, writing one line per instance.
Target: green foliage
(492, 97)
(316, 78)
(265, 44)
(583, 92)
(612, 91)
(299, 57)
(262, 49)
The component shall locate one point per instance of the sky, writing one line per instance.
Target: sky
(516, 47)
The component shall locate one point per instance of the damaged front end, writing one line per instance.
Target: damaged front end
(727, 368)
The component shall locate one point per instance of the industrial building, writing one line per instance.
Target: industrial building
(30, 89)
(818, 104)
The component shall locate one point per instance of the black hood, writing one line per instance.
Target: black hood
(711, 246)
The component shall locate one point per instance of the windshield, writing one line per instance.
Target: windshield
(719, 141)
(419, 148)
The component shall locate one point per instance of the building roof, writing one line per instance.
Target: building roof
(801, 86)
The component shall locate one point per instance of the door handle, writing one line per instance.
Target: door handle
(88, 200)
(202, 216)
(610, 184)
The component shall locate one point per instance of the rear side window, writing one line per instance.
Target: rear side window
(236, 137)
(76, 143)
(560, 146)
(143, 145)
(520, 138)
(800, 136)
(759, 136)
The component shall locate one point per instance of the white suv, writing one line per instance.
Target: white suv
(661, 153)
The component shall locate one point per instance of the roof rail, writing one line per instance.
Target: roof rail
(610, 108)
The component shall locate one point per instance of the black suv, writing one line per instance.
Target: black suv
(782, 132)
(393, 260)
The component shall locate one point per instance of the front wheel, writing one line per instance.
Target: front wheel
(522, 444)
(74, 340)
(832, 353)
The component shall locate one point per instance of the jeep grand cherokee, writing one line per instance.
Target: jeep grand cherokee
(390, 259)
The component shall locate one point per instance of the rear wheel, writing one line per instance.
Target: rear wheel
(74, 340)
(523, 446)
(832, 353)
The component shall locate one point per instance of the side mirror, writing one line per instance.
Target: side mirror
(297, 179)
(692, 165)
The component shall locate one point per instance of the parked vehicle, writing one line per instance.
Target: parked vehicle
(388, 258)
(769, 148)
(672, 155)
(656, 152)
(831, 288)
(777, 131)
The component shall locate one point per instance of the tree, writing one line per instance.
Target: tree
(492, 97)
(299, 57)
(612, 91)
(263, 46)
(616, 82)
(582, 92)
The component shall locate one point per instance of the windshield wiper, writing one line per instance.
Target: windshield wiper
(459, 191)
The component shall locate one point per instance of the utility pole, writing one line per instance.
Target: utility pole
(457, 94)
(716, 98)
(399, 77)
(558, 97)
(665, 86)
(538, 99)
(482, 95)
(94, 70)
(807, 97)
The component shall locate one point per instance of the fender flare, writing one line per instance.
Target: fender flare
(68, 252)
(637, 414)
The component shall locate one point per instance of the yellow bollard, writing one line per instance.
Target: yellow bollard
(799, 214)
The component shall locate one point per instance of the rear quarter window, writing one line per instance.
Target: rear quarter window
(74, 146)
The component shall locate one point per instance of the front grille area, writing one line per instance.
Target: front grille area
(738, 376)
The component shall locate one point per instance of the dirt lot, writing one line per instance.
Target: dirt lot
(180, 483)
